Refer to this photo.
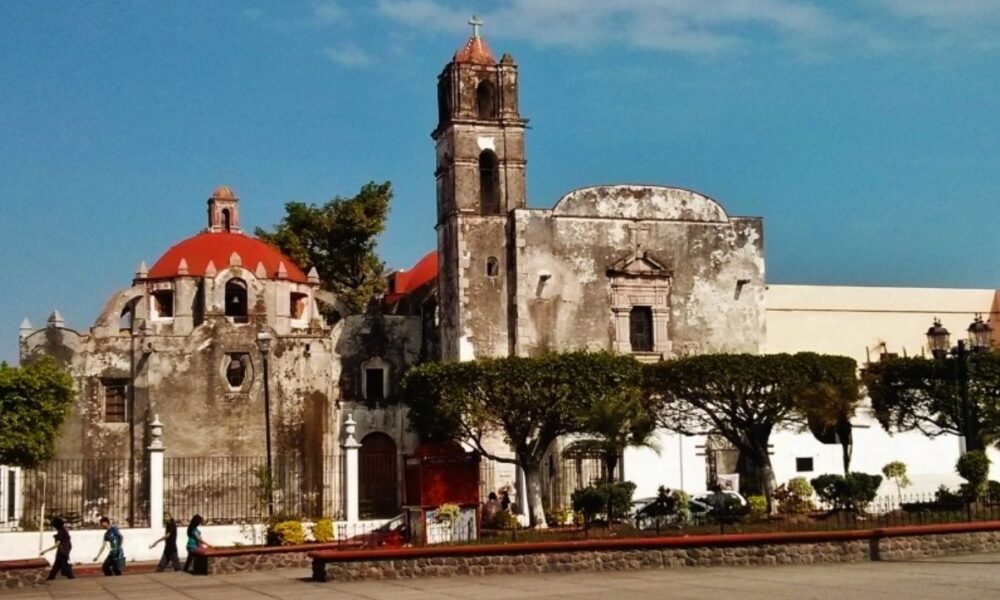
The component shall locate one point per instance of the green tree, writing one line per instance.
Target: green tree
(34, 401)
(744, 398)
(530, 402)
(922, 394)
(828, 407)
(896, 473)
(616, 419)
(338, 238)
(974, 467)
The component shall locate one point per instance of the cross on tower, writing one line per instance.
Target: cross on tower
(476, 23)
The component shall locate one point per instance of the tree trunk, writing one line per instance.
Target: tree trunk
(845, 435)
(754, 466)
(533, 481)
(610, 465)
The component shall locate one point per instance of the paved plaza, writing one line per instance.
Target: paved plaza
(951, 578)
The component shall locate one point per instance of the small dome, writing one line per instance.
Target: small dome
(223, 192)
(475, 51)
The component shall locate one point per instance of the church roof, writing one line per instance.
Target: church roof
(224, 192)
(475, 51)
(217, 248)
(422, 273)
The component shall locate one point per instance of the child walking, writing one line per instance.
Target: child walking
(62, 547)
(115, 561)
(169, 540)
(194, 540)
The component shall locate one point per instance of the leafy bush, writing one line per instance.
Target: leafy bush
(993, 491)
(557, 517)
(896, 473)
(794, 497)
(758, 506)
(506, 520)
(447, 513)
(286, 533)
(851, 492)
(597, 499)
(974, 467)
(322, 531)
(664, 505)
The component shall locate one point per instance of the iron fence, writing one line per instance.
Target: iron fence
(234, 489)
(81, 491)
(378, 485)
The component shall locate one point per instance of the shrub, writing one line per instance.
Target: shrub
(322, 531)
(896, 473)
(597, 499)
(993, 491)
(557, 517)
(506, 520)
(286, 533)
(974, 467)
(851, 492)
(447, 513)
(758, 506)
(795, 497)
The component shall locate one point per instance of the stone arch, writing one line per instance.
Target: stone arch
(378, 490)
(486, 100)
(489, 183)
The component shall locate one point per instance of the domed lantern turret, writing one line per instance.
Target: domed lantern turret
(938, 339)
(980, 332)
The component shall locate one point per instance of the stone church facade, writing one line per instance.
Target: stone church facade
(653, 271)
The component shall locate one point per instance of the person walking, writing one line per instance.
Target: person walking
(62, 547)
(194, 541)
(115, 561)
(169, 540)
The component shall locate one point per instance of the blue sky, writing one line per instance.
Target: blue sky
(866, 133)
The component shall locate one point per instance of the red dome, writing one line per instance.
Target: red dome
(422, 273)
(197, 251)
(475, 51)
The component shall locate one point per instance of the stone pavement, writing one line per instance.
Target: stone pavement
(953, 578)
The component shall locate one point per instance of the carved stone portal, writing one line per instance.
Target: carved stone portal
(640, 286)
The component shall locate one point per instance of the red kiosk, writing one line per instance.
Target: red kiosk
(441, 473)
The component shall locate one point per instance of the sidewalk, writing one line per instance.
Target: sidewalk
(974, 577)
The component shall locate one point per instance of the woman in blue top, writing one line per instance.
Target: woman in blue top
(115, 561)
(194, 540)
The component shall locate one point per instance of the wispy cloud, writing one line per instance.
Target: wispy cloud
(803, 27)
(690, 26)
(324, 14)
(971, 23)
(349, 55)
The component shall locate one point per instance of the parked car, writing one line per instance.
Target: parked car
(643, 514)
(711, 498)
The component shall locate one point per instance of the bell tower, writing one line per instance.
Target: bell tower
(480, 172)
(224, 211)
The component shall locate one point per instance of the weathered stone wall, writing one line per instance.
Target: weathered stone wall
(245, 563)
(563, 292)
(23, 573)
(600, 560)
(927, 546)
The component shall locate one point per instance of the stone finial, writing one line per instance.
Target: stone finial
(210, 269)
(56, 319)
(182, 267)
(156, 434)
(282, 271)
(350, 426)
(142, 271)
(235, 260)
(26, 328)
(260, 272)
(313, 276)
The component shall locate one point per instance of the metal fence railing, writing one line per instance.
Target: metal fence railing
(81, 491)
(233, 489)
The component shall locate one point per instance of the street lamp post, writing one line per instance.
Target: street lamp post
(264, 345)
(939, 341)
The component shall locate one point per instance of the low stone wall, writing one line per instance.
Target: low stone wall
(23, 573)
(618, 555)
(221, 561)
(939, 541)
(596, 560)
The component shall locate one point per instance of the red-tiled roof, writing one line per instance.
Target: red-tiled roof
(422, 273)
(197, 251)
(475, 51)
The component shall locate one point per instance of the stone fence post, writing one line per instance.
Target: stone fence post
(351, 447)
(156, 450)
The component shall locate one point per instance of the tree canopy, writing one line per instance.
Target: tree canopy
(745, 397)
(529, 402)
(922, 394)
(34, 401)
(338, 238)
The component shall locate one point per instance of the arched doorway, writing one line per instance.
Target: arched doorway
(377, 477)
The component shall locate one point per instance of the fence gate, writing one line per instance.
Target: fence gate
(378, 495)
